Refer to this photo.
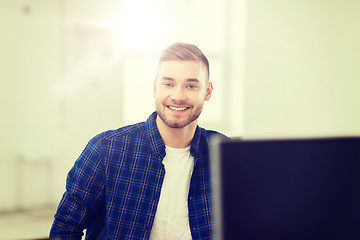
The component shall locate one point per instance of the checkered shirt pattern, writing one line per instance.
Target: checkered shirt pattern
(113, 189)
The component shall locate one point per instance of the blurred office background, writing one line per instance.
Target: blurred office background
(70, 69)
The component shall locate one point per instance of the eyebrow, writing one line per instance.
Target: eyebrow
(195, 80)
(167, 79)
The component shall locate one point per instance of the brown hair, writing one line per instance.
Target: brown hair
(184, 52)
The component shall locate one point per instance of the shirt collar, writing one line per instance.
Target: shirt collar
(195, 144)
(157, 143)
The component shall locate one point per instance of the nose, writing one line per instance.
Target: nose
(178, 94)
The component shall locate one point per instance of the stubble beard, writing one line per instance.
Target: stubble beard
(183, 122)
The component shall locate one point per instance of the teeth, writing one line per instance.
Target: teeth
(177, 108)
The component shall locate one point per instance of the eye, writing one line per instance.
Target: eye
(192, 86)
(167, 84)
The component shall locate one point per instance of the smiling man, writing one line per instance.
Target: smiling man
(150, 180)
(180, 89)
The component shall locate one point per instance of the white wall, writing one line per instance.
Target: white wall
(29, 71)
(302, 68)
(281, 68)
(72, 69)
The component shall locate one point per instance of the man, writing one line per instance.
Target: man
(151, 180)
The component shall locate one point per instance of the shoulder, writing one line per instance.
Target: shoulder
(211, 134)
(203, 139)
(118, 137)
(130, 130)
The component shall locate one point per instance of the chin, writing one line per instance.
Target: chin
(173, 123)
(177, 125)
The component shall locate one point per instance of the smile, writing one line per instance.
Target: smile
(178, 108)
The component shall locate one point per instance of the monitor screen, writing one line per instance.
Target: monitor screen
(288, 189)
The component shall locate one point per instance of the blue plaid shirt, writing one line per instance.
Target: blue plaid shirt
(114, 187)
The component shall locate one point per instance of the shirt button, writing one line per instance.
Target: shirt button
(148, 228)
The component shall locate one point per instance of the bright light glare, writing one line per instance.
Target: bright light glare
(139, 28)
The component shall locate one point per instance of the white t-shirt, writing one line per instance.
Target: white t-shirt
(172, 215)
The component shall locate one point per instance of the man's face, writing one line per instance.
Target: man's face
(180, 89)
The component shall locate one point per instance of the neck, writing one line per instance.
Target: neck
(176, 137)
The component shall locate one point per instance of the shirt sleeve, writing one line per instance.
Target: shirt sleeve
(83, 195)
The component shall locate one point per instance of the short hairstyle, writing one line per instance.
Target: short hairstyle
(184, 52)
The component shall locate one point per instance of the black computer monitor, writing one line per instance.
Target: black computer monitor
(288, 189)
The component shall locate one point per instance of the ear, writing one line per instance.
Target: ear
(209, 90)
(154, 88)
